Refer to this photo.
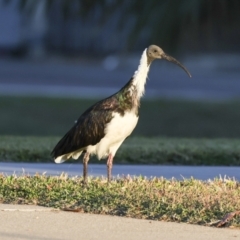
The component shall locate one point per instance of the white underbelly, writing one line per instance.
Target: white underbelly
(116, 131)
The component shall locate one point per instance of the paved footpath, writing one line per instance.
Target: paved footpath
(38, 223)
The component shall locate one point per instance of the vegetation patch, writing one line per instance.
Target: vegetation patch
(189, 200)
(170, 151)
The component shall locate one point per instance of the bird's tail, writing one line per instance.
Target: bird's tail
(75, 155)
(61, 159)
(66, 149)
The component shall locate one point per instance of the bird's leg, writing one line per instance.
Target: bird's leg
(85, 170)
(109, 167)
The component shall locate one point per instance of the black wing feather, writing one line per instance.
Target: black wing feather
(89, 129)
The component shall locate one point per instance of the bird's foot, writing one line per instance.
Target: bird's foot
(84, 182)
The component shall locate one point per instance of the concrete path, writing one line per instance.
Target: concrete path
(25, 222)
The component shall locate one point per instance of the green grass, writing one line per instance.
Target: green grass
(190, 200)
(135, 150)
(169, 118)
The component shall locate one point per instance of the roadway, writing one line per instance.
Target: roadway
(75, 169)
(213, 77)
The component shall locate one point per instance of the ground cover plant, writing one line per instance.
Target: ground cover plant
(188, 200)
(135, 150)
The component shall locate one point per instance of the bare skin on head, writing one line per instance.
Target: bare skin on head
(155, 52)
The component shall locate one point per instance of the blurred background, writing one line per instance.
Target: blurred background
(57, 57)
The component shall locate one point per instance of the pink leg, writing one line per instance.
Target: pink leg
(109, 167)
(85, 162)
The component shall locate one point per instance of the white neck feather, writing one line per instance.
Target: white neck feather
(140, 76)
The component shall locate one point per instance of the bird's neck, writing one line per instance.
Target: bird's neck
(129, 96)
(140, 76)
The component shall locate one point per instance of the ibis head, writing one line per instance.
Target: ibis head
(155, 52)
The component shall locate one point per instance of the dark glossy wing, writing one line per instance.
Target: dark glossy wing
(89, 129)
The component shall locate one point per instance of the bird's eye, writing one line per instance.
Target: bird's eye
(155, 50)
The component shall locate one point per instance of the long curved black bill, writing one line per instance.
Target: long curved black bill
(173, 60)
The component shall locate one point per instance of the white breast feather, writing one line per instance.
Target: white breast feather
(116, 131)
